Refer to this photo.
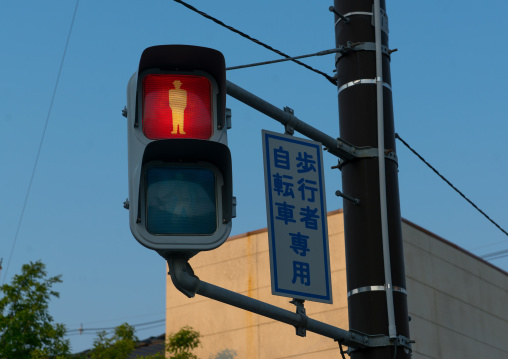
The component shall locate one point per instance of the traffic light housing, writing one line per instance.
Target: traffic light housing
(180, 175)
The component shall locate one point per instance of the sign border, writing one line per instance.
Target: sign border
(327, 298)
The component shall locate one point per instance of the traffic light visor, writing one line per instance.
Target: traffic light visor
(177, 106)
(180, 200)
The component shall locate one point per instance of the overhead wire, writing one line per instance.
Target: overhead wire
(495, 255)
(320, 53)
(122, 319)
(88, 330)
(217, 21)
(16, 235)
(450, 184)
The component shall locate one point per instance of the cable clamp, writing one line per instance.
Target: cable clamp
(359, 46)
(367, 152)
(375, 288)
(353, 14)
(361, 82)
(361, 152)
(384, 18)
(380, 340)
(289, 127)
(301, 330)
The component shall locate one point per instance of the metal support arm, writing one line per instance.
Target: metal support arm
(184, 280)
(337, 147)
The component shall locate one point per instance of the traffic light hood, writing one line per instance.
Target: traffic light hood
(182, 58)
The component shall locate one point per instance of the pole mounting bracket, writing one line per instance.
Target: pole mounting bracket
(361, 152)
(360, 46)
(301, 329)
(379, 340)
(289, 128)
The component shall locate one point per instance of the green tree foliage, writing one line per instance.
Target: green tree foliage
(26, 327)
(224, 354)
(123, 342)
(118, 346)
(181, 343)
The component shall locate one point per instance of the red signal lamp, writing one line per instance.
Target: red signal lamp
(177, 106)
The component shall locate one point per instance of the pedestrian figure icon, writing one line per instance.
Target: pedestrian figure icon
(178, 103)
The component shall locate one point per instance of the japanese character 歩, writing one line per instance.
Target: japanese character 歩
(305, 163)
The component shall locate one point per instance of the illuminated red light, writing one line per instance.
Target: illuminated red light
(177, 106)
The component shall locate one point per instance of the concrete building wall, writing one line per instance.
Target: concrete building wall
(457, 302)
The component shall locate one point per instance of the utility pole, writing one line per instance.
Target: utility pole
(377, 297)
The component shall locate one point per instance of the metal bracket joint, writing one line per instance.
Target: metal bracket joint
(376, 341)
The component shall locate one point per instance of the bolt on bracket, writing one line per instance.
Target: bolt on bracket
(363, 152)
(342, 17)
(359, 46)
(289, 129)
(349, 198)
(380, 340)
(301, 330)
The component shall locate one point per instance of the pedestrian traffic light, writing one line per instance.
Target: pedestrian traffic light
(180, 175)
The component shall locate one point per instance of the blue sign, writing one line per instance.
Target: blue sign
(296, 213)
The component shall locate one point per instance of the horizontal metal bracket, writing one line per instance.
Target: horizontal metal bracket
(359, 46)
(362, 82)
(376, 341)
(367, 152)
(384, 18)
(376, 288)
(349, 14)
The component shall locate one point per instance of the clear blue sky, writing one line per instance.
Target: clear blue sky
(449, 86)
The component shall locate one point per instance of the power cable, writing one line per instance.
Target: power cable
(85, 330)
(74, 333)
(40, 144)
(451, 185)
(320, 53)
(123, 319)
(217, 21)
(495, 255)
(486, 245)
